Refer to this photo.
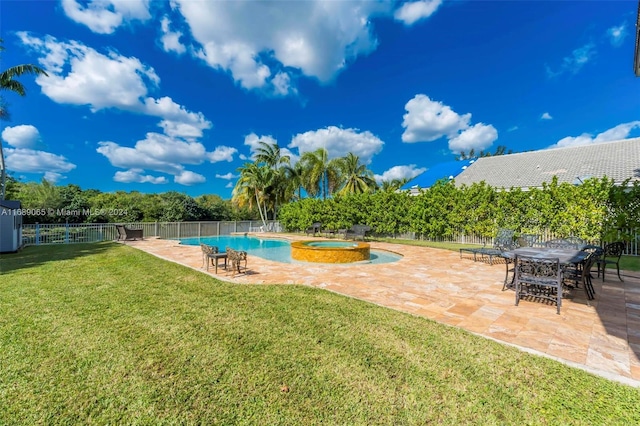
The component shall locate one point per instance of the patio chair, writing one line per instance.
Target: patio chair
(357, 231)
(212, 253)
(581, 275)
(566, 243)
(236, 257)
(501, 243)
(126, 234)
(314, 229)
(527, 240)
(539, 278)
(612, 251)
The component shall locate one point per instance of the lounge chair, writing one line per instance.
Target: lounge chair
(501, 243)
(125, 233)
(357, 231)
(314, 229)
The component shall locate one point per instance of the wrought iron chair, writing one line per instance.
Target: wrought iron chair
(538, 278)
(581, 275)
(566, 243)
(125, 233)
(236, 257)
(357, 231)
(212, 253)
(527, 240)
(613, 251)
(314, 229)
(502, 242)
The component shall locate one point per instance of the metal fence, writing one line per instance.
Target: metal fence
(36, 234)
(84, 233)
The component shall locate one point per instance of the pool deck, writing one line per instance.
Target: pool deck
(603, 338)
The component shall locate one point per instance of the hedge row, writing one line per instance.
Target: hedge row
(595, 210)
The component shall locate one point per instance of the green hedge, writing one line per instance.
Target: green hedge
(596, 210)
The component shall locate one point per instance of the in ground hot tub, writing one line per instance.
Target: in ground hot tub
(330, 251)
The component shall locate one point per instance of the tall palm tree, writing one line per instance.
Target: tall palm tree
(356, 177)
(271, 156)
(393, 184)
(252, 185)
(321, 174)
(294, 175)
(8, 82)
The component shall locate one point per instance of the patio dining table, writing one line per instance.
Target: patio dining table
(567, 258)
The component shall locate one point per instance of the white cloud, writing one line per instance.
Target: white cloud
(619, 132)
(254, 41)
(546, 116)
(53, 177)
(512, 129)
(104, 16)
(189, 178)
(617, 34)
(229, 185)
(428, 120)
(221, 153)
(135, 175)
(79, 75)
(130, 158)
(338, 142)
(410, 13)
(171, 39)
(574, 62)
(22, 136)
(400, 172)
(227, 176)
(477, 137)
(25, 160)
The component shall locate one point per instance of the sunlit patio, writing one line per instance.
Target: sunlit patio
(603, 338)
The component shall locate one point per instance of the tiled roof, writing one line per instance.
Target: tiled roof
(617, 160)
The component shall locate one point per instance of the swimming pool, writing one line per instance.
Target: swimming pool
(275, 250)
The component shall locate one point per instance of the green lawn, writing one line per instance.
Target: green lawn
(628, 263)
(105, 334)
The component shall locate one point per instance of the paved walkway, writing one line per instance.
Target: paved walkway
(603, 338)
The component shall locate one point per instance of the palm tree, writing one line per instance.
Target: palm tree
(356, 177)
(8, 82)
(294, 175)
(393, 184)
(252, 185)
(271, 156)
(321, 174)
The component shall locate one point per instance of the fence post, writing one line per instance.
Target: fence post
(66, 232)
(199, 229)
(218, 226)
(235, 226)
(37, 233)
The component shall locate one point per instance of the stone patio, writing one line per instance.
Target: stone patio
(603, 338)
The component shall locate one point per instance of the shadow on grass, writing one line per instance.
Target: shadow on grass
(32, 256)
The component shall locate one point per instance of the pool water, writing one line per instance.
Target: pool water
(275, 250)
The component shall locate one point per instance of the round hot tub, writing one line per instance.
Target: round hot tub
(330, 251)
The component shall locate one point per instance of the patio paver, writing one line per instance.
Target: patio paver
(603, 338)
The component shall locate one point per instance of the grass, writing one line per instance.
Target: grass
(628, 263)
(106, 334)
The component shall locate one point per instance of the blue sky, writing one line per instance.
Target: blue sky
(160, 96)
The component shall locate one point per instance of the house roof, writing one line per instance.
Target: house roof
(10, 204)
(447, 170)
(619, 160)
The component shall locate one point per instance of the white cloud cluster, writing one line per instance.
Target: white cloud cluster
(427, 120)
(104, 16)
(137, 176)
(171, 39)
(24, 158)
(546, 116)
(617, 34)
(338, 142)
(575, 61)
(412, 12)
(400, 172)
(22, 136)
(256, 41)
(80, 75)
(621, 131)
(227, 176)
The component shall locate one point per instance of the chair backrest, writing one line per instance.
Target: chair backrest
(207, 249)
(361, 229)
(121, 231)
(543, 271)
(614, 249)
(562, 243)
(504, 239)
(527, 240)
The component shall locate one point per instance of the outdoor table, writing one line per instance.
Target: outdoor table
(567, 257)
